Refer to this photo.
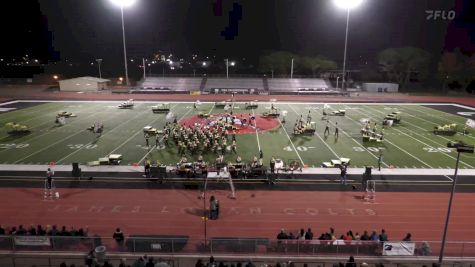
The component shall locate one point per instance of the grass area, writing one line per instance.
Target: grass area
(408, 145)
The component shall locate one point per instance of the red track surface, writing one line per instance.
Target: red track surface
(253, 214)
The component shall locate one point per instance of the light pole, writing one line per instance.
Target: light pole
(461, 148)
(346, 4)
(122, 4)
(99, 61)
(227, 66)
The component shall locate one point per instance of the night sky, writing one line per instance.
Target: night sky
(84, 30)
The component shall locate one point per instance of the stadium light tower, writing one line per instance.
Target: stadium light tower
(122, 4)
(461, 148)
(346, 4)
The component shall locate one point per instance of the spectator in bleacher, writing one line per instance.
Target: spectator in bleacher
(374, 236)
(357, 236)
(21, 230)
(309, 234)
(365, 236)
(118, 236)
(150, 262)
(347, 237)
(63, 264)
(301, 235)
(199, 263)
(211, 263)
(32, 230)
(2, 230)
(291, 236)
(40, 230)
(82, 232)
(282, 235)
(107, 264)
(383, 236)
(425, 249)
(351, 262)
(73, 231)
(140, 262)
(407, 238)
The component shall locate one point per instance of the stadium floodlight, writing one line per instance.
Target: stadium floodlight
(122, 4)
(233, 63)
(346, 4)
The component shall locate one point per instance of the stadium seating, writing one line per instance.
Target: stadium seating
(298, 84)
(240, 85)
(170, 84)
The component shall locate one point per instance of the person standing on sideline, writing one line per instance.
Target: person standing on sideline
(49, 178)
(380, 160)
(343, 167)
(147, 168)
(261, 154)
(336, 129)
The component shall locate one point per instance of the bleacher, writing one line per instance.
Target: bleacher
(168, 85)
(238, 85)
(208, 85)
(301, 87)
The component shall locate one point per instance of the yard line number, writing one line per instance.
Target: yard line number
(299, 148)
(9, 146)
(370, 148)
(437, 149)
(82, 146)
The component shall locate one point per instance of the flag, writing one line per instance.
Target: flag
(169, 116)
(470, 123)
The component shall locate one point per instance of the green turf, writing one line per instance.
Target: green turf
(409, 145)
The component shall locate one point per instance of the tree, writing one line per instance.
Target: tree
(276, 61)
(318, 63)
(400, 63)
(456, 67)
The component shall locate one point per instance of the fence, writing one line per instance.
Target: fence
(222, 246)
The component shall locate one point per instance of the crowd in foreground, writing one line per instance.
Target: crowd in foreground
(330, 235)
(39, 230)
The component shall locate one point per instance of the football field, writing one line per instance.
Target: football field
(410, 144)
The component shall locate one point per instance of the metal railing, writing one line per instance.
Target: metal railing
(221, 246)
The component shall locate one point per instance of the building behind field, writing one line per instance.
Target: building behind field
(86, 83)
(381, 87)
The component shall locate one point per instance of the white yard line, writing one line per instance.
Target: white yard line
(329, 148)
(439, 118)
(136, 133)
(108, 132)
(257, 133)
(386, 139)
(44, 148)
(293, 146)
(54, 130)
(150, 150)
(417, 140)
